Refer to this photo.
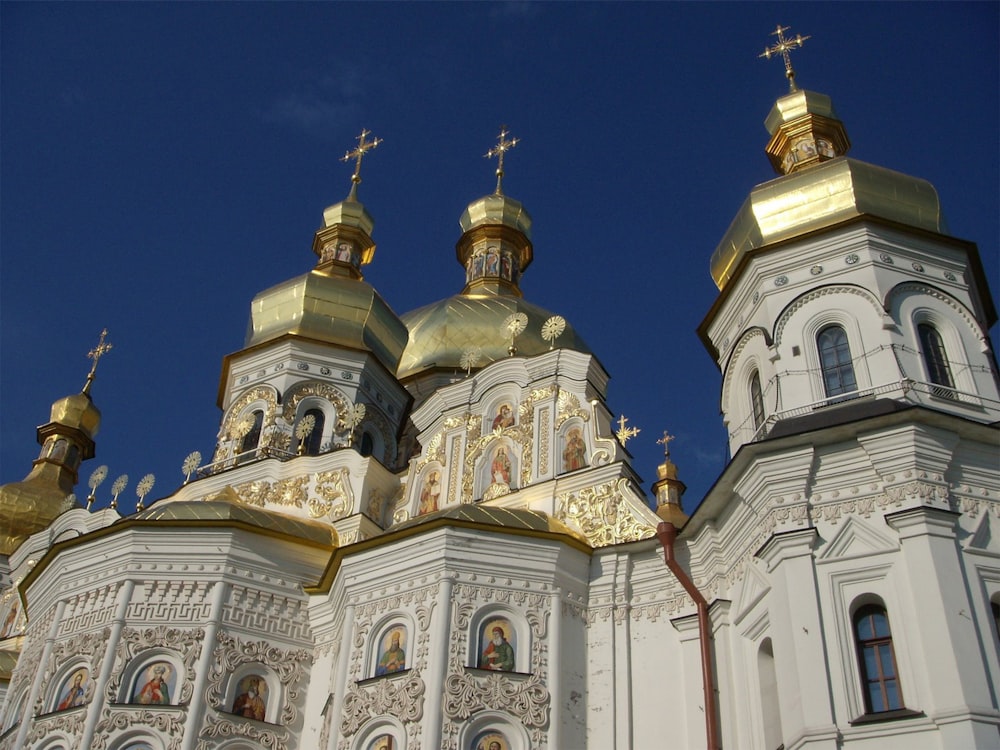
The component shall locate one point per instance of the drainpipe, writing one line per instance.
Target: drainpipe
(666, 532)
(668, 489)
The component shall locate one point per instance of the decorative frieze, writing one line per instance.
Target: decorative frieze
(603, 514)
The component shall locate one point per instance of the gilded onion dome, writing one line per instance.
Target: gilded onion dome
(31, 505)
(494, 249)
(819, 186)
(332, 303)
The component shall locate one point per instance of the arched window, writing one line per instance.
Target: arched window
(935, 357)
(835, 361)
(757, 400)
(877, 660)
(252, 438)
(367, 444)
(995, 610)
(314, 441)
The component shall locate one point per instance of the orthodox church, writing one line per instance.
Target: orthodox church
(423, 531)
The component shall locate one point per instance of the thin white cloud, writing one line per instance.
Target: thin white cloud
(324, 105)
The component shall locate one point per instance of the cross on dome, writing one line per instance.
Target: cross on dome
(359, 152)
(502, 147)
(783, 47)
(95, 354)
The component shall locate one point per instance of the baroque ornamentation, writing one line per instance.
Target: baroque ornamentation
(216, 727)
(185, 642)
(321, 390)
(402, 697)
(603, 514)
(168, 721)
(335, 499)
(288, 664)
(527, 699)
(826, 291)
(90, 646)
(569, 406)
(70, 722)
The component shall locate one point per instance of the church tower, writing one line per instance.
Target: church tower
(860, 395)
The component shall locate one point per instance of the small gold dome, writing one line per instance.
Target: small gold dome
(29, 506)
(330, 308)
(77, 411)
(496, 208)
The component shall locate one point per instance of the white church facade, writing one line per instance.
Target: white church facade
(422, 531)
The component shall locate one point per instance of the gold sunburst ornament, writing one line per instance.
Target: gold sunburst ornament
(117, 488)
(142, 489)
(242, 427)
(514, 324)
(470, 358)
(357, 415)
(303, 430)
(553, 328)
(191, 463)
(99, 475)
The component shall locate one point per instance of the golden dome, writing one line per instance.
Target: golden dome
(496, 208)
(29, 506)
(77, 411)
(820, 186)
(495, 248)
(330, 308)
(440, 333)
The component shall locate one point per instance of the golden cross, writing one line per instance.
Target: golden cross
(625, 433)
(358, 154)
(502, 147)
(783, 47)
(665, 442)
(95, 354)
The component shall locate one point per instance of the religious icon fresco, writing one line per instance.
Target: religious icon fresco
(156, 685)
(10, 621)
(392, 653)
(500, 466)
(73, 691)
(575, 452)
(497, 645)
(504, 417)
(382, 742)
(251, 697)
(430, 492)
(491, 740)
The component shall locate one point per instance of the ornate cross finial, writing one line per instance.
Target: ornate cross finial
(665, 442)
(783, 47)
(95, 354)
(624, 433)
(502, 147)
(363, 147)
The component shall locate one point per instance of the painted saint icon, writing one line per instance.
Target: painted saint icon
(74, 690)
(392, 655)
(491, 741)
(504, 417)
(500, 466)
(497, 651)
(382, 742)
(430, 493)
(250, 694)
(575, 452)
(156, 687)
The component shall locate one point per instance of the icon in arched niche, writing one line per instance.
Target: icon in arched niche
(491, 740)
(73, 691)
(251, 695)
(430, 493)
(156, 684)
(575, 452)
(497, 645)
(382, 742)
(500, 466)
(504, 417)
(392, 652)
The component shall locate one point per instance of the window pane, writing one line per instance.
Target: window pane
(835, 361)
(871, 663)
(892, 695)
(875, 698)
(885, 657)
(865, 628)
(935, 357)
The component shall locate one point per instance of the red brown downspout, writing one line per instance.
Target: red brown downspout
(666, 532)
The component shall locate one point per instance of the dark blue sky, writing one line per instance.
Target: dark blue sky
(163, 162)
